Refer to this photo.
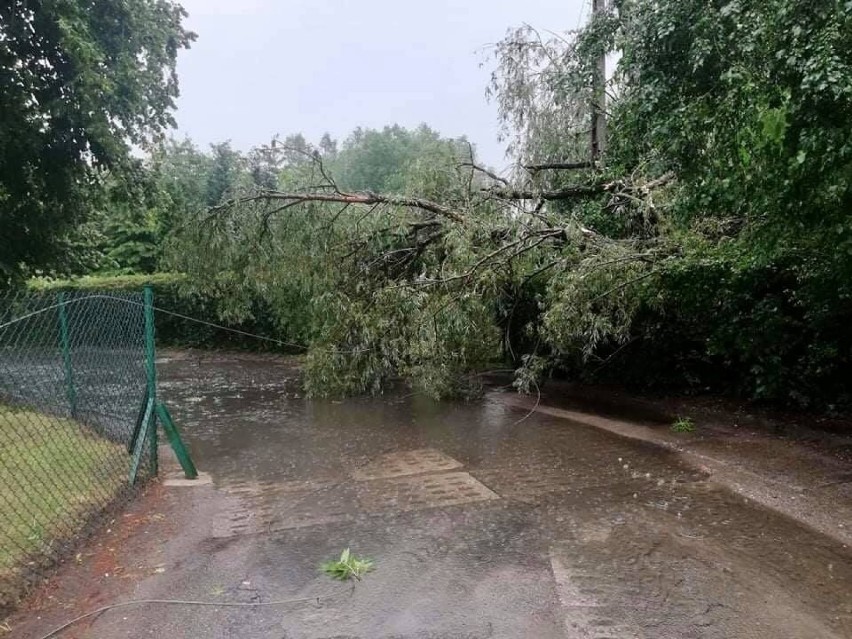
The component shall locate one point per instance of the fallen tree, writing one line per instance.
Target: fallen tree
(709, 248)
(403, 284)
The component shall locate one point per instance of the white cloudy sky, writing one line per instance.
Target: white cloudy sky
(262, 67)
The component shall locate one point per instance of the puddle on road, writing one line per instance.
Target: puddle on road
(633, 542)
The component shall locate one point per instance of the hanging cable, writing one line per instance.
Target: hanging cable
(187, 602)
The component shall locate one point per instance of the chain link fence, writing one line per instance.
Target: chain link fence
(76, 373)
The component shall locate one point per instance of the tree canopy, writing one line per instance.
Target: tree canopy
(81, 83)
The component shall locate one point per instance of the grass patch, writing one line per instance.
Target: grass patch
(54, 473)
(683, 425)
(347, 567)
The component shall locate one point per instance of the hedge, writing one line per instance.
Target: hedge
(171, 297)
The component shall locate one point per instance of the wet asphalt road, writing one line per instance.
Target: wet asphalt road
(481, 524)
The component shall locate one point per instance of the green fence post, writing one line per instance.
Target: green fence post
(138, 426)
(151, 368)
(149, 423)
(65, 344)
(189, 470)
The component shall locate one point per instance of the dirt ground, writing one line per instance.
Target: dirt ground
(568, 516)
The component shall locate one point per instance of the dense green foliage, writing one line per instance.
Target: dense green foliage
(172, 295)
(746, 255)
(80, 83)
(750, 106)
(712, 249)
(318, 271)
(177, 181)
(396, 160)
(128, 232)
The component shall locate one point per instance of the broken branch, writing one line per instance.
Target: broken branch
(558, 166)
(368, 199)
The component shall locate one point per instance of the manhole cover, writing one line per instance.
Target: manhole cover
(273, 510)
(407, 462)
(423, 491)
(269, 487)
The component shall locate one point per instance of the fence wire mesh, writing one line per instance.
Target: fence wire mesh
(72, 380)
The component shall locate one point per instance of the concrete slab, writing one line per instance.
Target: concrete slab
(178, 480)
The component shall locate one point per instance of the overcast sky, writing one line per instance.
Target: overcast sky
(261, 67)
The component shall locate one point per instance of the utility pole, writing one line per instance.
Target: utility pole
(598, 138)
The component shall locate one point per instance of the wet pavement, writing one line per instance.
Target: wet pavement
(482, 521)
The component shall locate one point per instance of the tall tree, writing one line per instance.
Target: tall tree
(226, 170)
(180, 171)
(81, 83)
(328, 145)
(391, 159)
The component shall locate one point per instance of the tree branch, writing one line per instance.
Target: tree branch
(541, 236)
(581, 191)
(561, 194)
(485, 171)
(368, 199)
(559, 166)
